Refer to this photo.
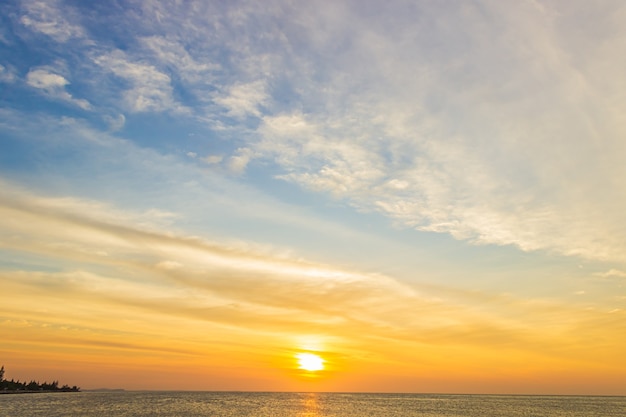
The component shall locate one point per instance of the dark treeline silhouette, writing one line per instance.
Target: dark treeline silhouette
(32, 386)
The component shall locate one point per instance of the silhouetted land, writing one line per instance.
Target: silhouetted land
(18, 387)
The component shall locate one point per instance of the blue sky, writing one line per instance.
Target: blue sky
(470, 154)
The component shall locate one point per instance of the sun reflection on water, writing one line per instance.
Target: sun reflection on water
(310, 406)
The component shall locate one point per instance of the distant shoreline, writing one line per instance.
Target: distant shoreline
(104, 390)
(45, 391)
(31, 392)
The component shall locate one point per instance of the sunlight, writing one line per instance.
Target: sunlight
(310, 362)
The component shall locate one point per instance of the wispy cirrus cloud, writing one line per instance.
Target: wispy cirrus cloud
(484, 122)
(99, 235)
(53, 85)
(242, 100)
(173, 54)
(611, 273)
(493, 144)
(51, 19)
(150, 90)
(165, 268)
(7, 74)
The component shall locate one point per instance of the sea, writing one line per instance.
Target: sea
(258, 404)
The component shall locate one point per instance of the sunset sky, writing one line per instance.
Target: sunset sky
(429, 196)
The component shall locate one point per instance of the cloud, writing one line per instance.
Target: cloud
(612, 273)
(144, 178)
(7, 75)
(150, 89)
(92, 233)
(43, 79)
(240, 160)
(53, 85)
(164, 277)
(48, 18)
(214, 159)
(173, 54)
(243, 100)
(487, 140)
(115, 122)
(488, 123)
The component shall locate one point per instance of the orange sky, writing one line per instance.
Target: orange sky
(149, 317)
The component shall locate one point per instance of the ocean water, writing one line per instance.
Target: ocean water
(248, 404)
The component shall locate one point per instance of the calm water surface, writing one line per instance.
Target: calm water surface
(171, 404)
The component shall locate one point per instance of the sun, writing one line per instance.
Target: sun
(310, 362)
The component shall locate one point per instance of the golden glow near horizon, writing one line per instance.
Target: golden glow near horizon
(184, 309)
(310, 362)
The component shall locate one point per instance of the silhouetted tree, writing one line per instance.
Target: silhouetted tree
(33, 385)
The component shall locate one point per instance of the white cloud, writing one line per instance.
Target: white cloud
(129, 174)
(243, 100)
(53, 85)
(489, 123)
(239, 161)
(150, 90)
(44, 79)
(213, 159)
(323, 156)
(49, 18)
(7, 75)
(115, 122)
(173, 54)
(510, 140)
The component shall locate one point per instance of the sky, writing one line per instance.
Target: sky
(429, 196)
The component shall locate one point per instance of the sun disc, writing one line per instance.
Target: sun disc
(310, 362)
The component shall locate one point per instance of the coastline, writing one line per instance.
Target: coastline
(31, 392)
